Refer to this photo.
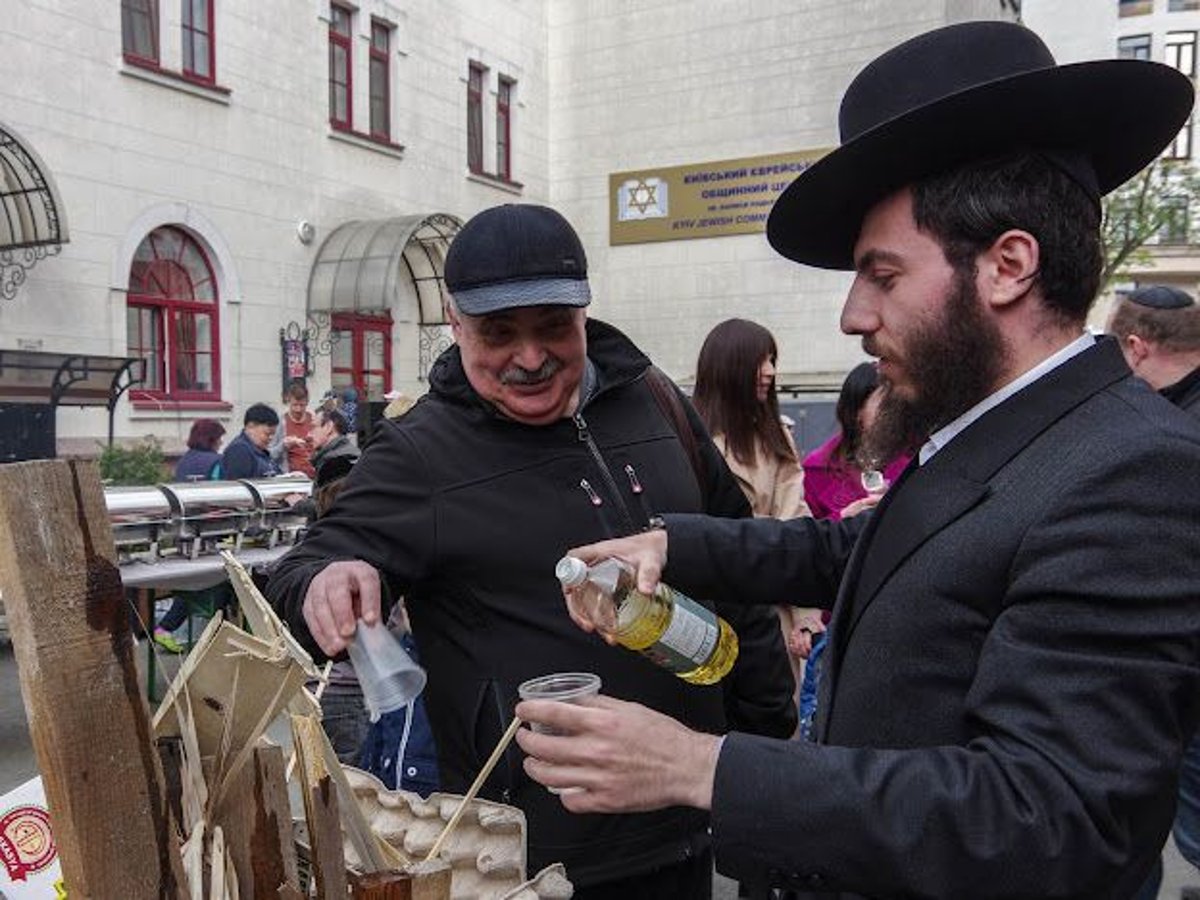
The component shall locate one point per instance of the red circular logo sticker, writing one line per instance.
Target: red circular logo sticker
(26, 842)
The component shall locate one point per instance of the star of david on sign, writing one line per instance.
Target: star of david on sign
(642, 196)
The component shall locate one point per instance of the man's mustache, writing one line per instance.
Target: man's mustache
(518, 375)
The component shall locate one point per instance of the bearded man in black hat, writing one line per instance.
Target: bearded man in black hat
(1015, 643)
(541, 429)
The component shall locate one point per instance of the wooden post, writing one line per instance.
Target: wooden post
(69, 623)
(319, 792)
(257, 820)
(381, 886)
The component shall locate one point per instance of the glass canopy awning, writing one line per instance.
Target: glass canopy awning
(32, 223)
(64, 379)
(362, 264)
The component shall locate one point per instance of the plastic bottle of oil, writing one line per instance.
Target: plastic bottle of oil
(668, 627)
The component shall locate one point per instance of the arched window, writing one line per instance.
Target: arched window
(172, 317)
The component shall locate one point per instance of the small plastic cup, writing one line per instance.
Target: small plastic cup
(389, 678)
(565, 687)
(873, 481)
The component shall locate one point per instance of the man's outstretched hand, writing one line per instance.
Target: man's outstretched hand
(624, 756)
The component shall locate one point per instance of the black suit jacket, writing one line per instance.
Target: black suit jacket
(1015, 658)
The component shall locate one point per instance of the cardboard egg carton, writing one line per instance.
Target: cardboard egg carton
(486, 851)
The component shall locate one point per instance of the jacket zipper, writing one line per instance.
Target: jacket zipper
(585, 436)
(635, 485)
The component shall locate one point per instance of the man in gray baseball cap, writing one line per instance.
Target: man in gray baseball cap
(541, 429)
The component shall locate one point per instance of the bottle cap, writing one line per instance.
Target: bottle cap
(571, 571)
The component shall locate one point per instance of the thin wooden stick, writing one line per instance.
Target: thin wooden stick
(501, 746)
(321, 685)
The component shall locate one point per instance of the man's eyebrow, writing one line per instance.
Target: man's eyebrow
(871, 257)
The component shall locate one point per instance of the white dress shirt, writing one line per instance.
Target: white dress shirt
(943, 436)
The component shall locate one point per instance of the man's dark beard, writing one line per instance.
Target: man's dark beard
(953, 364)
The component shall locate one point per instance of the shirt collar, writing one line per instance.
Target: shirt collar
(943, 436)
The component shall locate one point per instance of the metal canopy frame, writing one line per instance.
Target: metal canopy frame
(32, 223)
(358, 267)
(59, 379)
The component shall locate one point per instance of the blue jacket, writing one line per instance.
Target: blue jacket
(399, 749)
(242, 459)
(198, 465)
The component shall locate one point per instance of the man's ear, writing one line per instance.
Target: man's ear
(1008, 269)
(455, 321)
(1136, 350)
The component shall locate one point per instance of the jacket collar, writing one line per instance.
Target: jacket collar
(929, 498)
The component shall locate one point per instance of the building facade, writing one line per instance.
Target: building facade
(1163, 31)
(251, 191)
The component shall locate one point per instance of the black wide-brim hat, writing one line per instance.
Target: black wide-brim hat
(970, 92)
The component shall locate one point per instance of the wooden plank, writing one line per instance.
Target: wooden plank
(257, 820)
(381, 886)
(431, 881)
(320, 810)
(69, 623)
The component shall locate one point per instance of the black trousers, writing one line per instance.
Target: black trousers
(688, 880)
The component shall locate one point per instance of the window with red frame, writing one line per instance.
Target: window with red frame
(475, 117)
(504, 96)
(340, 82)
(139, 30)
(171, 317)
(380, 72)
(361, 354)
(197, 28)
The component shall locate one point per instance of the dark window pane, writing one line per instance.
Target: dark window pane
(339, 103)
(475, 119)
(139, 28)
(379, 37)
(1135, 46)
(379, 97)
(200, 65)
(340, 20)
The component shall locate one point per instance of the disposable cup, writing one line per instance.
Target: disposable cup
(564, 687)
(388, 676)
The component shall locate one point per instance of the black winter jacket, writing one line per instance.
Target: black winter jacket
(466, 513)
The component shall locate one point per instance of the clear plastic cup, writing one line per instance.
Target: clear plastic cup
(389, 677)
(565, 687)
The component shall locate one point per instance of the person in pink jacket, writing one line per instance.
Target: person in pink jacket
(838, 473)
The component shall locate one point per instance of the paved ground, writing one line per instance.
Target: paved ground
(17, 765)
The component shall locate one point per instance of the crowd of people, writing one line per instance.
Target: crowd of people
(969, 621)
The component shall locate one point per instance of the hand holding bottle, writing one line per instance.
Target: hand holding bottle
(669, 628)
(646, 553)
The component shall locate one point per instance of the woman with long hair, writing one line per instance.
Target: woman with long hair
(735, 396)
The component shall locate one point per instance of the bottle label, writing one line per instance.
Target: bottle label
(689, 639)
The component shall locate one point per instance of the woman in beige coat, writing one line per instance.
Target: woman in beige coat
(735, 396)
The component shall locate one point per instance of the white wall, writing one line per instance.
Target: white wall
(647, 83)
(250, 164)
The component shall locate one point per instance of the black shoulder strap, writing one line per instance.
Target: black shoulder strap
(665, 395)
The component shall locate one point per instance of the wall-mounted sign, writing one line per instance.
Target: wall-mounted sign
(702, 200)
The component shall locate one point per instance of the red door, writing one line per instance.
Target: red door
(362, 354)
